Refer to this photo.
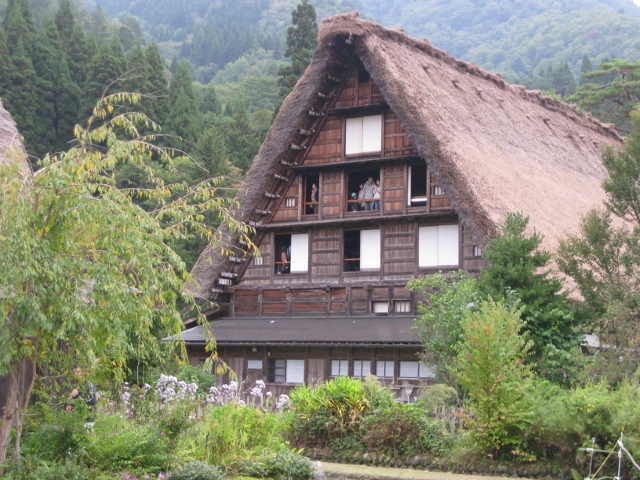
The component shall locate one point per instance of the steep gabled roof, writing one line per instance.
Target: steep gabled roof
(494, 147)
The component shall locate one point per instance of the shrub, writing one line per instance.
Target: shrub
(282, 465)
(198, 375)
(232, 433)
(403, 429)
(490, 366)
(198, 471)
(326, 413)
(57, 435)
(68, 470)
(122, 445)
(378, 395)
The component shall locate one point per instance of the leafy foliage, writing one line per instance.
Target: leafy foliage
(327, 413)
(198, 471)
(605, 262)
(233, 433)
(301, 42)
(282, 465)
(440, 318)
(490, 366)
(401, 430)
(611, 92)
(518, 265)
(73, 243)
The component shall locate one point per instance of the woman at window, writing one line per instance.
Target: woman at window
(314, 199)
(377, 194)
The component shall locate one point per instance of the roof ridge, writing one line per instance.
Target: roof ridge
(351, 25)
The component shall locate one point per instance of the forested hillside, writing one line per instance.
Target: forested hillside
(518, 37)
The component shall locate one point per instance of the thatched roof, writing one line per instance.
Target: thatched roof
(494, 147)
(11, 149)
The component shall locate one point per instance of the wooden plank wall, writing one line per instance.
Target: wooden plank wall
(326, 261)
(437, 201)
(399, 249)
(261, 272)
(396, 140)
(470, 262)
(290, 214)
(393, 187)
(331, 194)
(327, 147)
(347, 97)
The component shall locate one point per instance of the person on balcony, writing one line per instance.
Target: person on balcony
(368, 192)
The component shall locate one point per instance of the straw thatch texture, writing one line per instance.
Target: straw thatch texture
(494, 147)
(11, 149)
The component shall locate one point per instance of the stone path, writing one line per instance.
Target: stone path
(341, 471)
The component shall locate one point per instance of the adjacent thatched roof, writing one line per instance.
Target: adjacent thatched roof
(495, 147)
(11, 149)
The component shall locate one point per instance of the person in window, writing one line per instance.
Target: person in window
(313, 208)
(361, 197)
(377, 194)
(368, 192)
(284, 261)
(353, 204)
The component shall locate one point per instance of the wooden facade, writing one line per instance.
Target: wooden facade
(346, 273)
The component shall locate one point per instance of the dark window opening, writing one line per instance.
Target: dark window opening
(352, 251)
(418, 181)
(282, 264)
(311, 194)
(276, 372)
(363, 75)
(364, 191)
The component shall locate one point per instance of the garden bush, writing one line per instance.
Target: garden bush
(325, 414)
(54, 435)
(569, 419)
(403, 429)
(231, 433)
(118, 444)
(281, 465)
(198, 471)
(69, 469)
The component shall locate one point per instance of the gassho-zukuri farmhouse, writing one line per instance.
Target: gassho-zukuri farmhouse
(389, 160)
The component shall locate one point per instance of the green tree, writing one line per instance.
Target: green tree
(19, 28)
(184, 116)
(105, 74)
(449, 299)
(83, 265)
(490, 366)
(137, 79)
(604, 261)
(585, 67)
(614, 100)
(7, 72)
(159, 103)
(65, 21)
(242, 139)
(301, 42)
(30, 102)
(78, 56)
(517, 264)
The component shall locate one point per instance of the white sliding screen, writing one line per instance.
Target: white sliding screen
(295, 371)
(370, 249)
(372, 133)
(353, 143)
(438, 246)
(300, 252)
(363, 135)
